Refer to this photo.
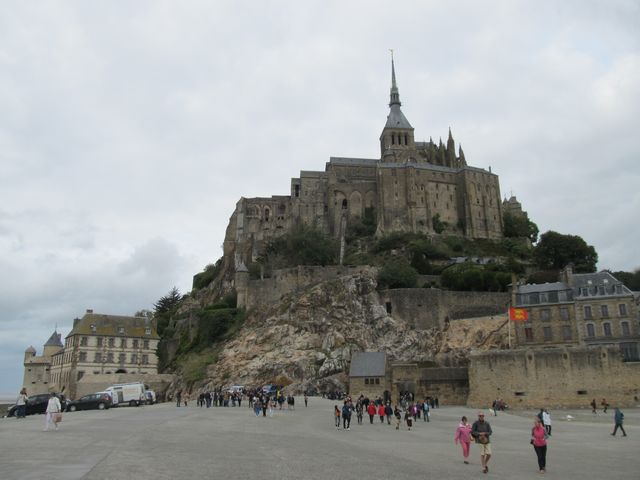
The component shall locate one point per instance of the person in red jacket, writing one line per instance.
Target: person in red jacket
(371, 410)
(381, 412)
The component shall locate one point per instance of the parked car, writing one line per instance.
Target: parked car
(99, 401)
(236, 389)
(128, 393)
(37, 404)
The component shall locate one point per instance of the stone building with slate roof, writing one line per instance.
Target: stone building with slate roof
(103, 344)
(414, 186)
(581, 309)
(37, 369)
(368, 375)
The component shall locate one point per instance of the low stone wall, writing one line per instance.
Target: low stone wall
(449, 385)
(96, 383)
(427, 308)
(555, 377)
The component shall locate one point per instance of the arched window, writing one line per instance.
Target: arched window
(406, 139)
(344, 204)
(266, 214)
(393, 139)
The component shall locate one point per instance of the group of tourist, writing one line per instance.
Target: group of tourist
(382, 410)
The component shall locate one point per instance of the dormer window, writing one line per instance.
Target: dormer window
(121, 330)
(147, 331)
(93, 328)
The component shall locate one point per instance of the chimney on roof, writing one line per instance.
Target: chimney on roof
(566, 275)
(89, 310)
(75, 322)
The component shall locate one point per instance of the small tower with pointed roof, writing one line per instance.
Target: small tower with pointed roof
(397, 133)
(53, 345)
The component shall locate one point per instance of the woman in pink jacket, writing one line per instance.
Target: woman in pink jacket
(539, 442)
(463, 435)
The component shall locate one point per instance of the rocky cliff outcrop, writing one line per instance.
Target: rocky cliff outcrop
(307, 338)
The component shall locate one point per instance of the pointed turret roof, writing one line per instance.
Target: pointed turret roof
(30, 350)
(396, 118)
(54, 340)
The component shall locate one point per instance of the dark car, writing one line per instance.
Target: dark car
(98, 401)
(37, 404)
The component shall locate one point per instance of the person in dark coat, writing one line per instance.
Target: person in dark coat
(618, 418)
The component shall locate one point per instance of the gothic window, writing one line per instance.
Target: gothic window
(344, 204)
(266, 214)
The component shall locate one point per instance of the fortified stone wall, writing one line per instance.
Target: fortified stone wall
(255, 293)
(426, 308)
(556, 377)
(449, 385)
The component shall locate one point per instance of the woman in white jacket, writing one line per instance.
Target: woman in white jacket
(53, 408)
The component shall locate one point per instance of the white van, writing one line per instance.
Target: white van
(128, 393)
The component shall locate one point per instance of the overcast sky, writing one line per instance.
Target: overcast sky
(128, 130)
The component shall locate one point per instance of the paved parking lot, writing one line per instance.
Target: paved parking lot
(165, 442)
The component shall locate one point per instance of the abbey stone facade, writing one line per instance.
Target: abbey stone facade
(420, 187)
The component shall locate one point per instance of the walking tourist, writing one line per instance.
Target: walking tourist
(618, 418)
(408, 418)
(359, 412)
(53, 410)
(178, 398)
(398, 415)
(481, 432)
(381, 413)
(593, 406)
(371, 410)
(539, 442)
(426, 410)
(336, 415)
(306, 401)
(21, 404)
(546, 421)
(604, 404)
(346, 416)
(388, 411)
(463, 436)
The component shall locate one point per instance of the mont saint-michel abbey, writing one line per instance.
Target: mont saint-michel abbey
(421, 187)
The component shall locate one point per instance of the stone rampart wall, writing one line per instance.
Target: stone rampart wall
(429, 307)
(556, 377)
(285, 281)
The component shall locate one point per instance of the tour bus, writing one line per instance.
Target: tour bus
(133, 394)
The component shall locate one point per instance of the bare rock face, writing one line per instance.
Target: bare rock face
(308, 338)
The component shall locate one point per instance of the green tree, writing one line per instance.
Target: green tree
(555, 250)
(520, 226)
(397, 273)
(301, 246)
(630, 279)
(165, 307)
(438, 225)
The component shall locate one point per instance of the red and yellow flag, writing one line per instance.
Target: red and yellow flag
(518, 314)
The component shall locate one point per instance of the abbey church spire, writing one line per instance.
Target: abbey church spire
(398, 132)
(395, 94)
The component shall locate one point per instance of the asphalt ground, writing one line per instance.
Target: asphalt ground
(165, 442)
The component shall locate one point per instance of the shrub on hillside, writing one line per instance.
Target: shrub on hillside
(397, 273)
